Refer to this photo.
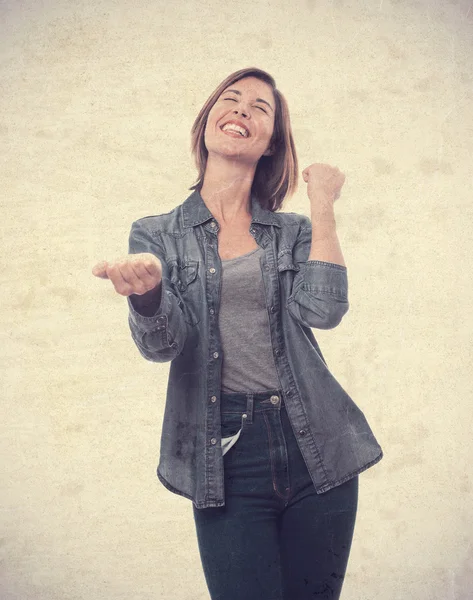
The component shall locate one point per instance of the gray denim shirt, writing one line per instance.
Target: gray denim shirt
(333, 434)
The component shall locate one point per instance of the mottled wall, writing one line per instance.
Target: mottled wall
(97, 101)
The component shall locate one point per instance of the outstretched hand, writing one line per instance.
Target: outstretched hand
(135, 274)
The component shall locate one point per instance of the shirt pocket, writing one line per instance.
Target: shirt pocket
(183, 275)
(286, 262)
(287, 271)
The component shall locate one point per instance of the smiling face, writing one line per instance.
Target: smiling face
(246, 107)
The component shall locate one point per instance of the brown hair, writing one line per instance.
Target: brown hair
(275, 175)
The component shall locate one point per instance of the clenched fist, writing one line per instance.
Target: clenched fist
(135, 274)
(324, 184)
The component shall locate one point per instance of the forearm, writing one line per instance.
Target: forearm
(325, 245)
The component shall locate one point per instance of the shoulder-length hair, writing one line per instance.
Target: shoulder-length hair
(275, 175)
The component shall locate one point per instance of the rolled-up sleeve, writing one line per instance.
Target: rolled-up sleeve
(160, 337)
(319, 296)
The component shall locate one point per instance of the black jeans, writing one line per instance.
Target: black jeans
(275, 538)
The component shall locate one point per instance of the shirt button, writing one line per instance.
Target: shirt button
(212, 270)
(215, 354)
(213, 398)
(213, 441)
(302, 432)
(212, 224)
(274, 399)
(278, 352)
(273, 309)
(211, 311)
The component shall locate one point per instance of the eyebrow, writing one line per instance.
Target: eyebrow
(257, 99)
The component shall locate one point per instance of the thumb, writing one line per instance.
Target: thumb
(100, 269)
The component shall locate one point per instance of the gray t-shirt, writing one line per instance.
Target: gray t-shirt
(248, 363)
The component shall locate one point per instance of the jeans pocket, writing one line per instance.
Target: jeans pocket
(230, 424)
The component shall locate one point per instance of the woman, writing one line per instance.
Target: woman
(256, 432)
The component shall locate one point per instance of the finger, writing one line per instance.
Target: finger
(136, 285)
(119, 283)
(147, 266)
(143, 276)
(99, 270)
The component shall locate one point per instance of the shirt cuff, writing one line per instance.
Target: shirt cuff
(322, 276)
(149, 323)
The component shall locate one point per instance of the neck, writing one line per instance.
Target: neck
(226, 189)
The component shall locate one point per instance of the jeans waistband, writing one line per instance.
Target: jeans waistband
(248, 402)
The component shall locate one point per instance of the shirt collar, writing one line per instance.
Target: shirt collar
(195, 212)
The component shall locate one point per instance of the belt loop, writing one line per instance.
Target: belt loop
(249, 407)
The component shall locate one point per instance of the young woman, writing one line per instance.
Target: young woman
(257, 432)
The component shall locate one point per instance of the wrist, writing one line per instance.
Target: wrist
(325, 218)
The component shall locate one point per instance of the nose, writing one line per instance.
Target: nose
(241, 110)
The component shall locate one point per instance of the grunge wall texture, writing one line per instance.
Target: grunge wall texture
(96, 105)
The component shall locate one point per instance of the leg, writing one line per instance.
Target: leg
(316, 535)
(239, 551)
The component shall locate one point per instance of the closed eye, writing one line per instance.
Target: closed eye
(260, 107)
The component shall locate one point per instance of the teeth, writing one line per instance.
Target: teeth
(235, 128)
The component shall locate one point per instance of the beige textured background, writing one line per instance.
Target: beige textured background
(97, 102)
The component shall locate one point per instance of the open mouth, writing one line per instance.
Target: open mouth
(235, 131)
(234, 134)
